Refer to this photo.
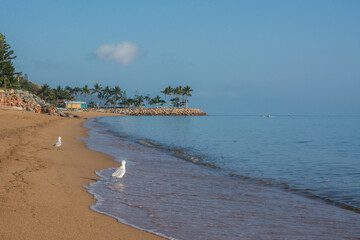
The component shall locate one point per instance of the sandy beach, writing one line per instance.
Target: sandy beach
(41, 186)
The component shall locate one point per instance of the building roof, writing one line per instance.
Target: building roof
(75, 102)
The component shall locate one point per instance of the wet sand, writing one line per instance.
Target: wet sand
(41, 186)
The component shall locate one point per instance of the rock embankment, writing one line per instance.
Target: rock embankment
(22, 100)
(151, 111)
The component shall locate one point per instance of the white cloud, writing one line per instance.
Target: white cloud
(123, 53)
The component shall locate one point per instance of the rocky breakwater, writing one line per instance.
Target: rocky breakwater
(153, 111)
(23, 100)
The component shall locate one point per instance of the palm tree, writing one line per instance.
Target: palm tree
(69, 89)
(45, 91)
(187, 93)
(167, 91)
(58, 93)
(138, 101)
(76, 91)
(97, 90)
(85, 90)
(148, 99)
(106, 94)
(130, 102)
(177, 91)
(124, 100)
(117, 94)
(158, 101)
(91, 104)
(68, 92)
(127, 102)
(58, 90)
(67, 95)
(110, 101)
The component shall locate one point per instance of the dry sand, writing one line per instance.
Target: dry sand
(41, 186)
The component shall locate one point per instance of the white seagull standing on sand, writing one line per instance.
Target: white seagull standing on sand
(120, 172)
(58, 143)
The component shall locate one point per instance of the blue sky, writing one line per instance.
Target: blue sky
(240, 57)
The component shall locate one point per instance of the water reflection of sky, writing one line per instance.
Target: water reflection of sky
(167, 195)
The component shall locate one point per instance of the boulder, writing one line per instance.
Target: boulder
(18, 108)
(61, 114)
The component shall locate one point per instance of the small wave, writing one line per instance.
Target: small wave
(186, 156)
(175, 152)
(305, 192)
(182, 154)
(148, 143)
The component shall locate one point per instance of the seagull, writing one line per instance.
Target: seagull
(120, 172)
(58, 143)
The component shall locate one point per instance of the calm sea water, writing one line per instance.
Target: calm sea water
(232, 177)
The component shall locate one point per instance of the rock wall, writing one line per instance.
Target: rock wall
(22, 100)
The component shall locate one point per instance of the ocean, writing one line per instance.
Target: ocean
(232, 177)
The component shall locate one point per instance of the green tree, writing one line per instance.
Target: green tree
(106, 94)
(76, 91)
(110, 101)
(157, 100)
(46, 93)
(91, 104)
(27, 85)
(67, 95)
(187, 93)
(167, 92)
(58, 93)
(138, 100)
(69, 89)
(117, 94)
(7, 70)
(86, 91)
(124, 100)
(178, 91)
(68, 92)
(98, 91)
(147, 98)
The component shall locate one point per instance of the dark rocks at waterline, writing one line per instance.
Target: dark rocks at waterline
(151, 111)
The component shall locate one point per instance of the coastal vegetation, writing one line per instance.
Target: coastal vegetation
(114, 96)
(8, 74)
(97, 96)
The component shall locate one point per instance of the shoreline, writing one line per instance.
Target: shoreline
(42, 193)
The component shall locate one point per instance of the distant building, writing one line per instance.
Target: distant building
(75, 104)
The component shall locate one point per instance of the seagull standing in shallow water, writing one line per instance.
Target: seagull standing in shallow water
(120, 172)
(58, 143)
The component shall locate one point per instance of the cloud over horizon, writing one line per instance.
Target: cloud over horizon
(123, 53)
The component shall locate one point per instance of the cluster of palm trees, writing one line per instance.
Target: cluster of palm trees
(178, 96)
(115, 97)
(53, 95)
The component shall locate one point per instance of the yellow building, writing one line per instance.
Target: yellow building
(75, 105)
